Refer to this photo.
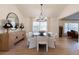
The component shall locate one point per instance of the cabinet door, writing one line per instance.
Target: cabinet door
(11, 39)
(5, 42)
(0, 42)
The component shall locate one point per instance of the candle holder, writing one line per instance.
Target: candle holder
(21, 26)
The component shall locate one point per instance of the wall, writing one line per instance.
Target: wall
(28, 24)
(7, 8)
(53, 25)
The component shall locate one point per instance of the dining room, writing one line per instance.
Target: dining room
(34, 29)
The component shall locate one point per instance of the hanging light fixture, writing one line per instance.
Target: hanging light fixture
(41, 17)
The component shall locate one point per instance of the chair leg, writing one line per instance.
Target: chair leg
(46, 47)
(54, 45)
(37, 47)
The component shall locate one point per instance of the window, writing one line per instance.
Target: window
(70, 26)
(42, 26)
(39, 26)
(35, 26)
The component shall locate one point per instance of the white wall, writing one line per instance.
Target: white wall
(6, 8)
(53, 25)
(28, 24)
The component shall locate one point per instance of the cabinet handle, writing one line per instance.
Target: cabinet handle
(22, 34)
(16, 37)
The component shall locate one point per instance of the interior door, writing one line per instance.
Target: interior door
(60, 31)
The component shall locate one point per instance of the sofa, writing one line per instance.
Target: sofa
(73, 35)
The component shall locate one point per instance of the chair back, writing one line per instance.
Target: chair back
(42, 39)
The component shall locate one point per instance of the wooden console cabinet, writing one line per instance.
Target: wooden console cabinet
(9, 40)
(4, 42)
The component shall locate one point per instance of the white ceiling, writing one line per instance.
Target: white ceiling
(74, 16)
(33, 10)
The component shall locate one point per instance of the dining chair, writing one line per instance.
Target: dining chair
(54, 38)
(32, 42)
(28, 35)
(42, 40)
(51, 42)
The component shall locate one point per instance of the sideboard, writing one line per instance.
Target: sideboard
(9, 40)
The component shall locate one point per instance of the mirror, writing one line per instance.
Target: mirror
(13, 18)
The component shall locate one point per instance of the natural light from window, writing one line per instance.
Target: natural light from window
(39, 26)
(70, 26)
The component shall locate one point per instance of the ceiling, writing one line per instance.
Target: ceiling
(74, 16)
(33, 10)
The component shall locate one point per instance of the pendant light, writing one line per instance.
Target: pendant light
(41, 16)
